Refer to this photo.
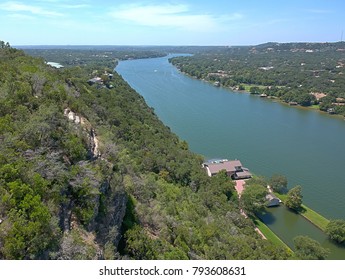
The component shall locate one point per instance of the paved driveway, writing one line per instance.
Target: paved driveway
(240, 186)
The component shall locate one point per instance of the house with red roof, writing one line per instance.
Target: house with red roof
(233, 168)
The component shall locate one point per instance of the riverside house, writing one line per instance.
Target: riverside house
(233, 168)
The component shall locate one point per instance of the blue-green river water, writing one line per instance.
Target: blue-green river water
(306, 146)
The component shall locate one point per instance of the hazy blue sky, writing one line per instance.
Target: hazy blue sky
(176, 22)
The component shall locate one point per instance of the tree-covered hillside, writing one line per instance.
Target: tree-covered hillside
(88, 171)
(297, 73)
(84, 55)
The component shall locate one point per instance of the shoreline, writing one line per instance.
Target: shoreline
(269, 234)
(276, 99)
(321, 224)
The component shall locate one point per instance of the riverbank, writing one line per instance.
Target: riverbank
(280, 101)
(245, 88)
(314, 217)
(270, 235)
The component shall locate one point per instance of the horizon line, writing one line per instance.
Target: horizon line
(173, 45)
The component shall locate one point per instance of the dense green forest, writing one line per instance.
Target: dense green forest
(88, 171)
(297, 73)
(82, 56)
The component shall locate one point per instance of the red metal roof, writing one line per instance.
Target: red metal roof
(229, 166)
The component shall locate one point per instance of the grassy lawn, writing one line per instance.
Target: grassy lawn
(282, 197)
(317, 107)
(314, 217)
(247, 87)
(270, 235)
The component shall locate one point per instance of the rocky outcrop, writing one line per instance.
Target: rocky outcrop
(105, 193)
(93, 144)
(110, 221)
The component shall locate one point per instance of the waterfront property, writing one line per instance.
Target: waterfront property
(233, 168)
(272, 200)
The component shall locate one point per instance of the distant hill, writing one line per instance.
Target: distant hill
(302, 46)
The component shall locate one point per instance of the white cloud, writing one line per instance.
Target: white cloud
(17, 7)
(175, 16)
(20, 17)
(315, 11)
(76, 6)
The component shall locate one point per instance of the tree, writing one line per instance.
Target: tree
(254, 90)
(241, 87)
(305, 99)
(257, 180)
(278, 183)
(30, 232)
(139, 245)
(336, 230)
(4, 45)
(253, 198)
(307, 248)
(75, 148)
(294, 198)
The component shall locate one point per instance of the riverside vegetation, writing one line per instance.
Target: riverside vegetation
(90, 172)
(308, 74)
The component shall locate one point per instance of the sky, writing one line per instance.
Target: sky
(176, 22)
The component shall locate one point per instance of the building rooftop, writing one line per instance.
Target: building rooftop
(228, 165)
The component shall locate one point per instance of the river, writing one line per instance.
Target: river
(268, 137)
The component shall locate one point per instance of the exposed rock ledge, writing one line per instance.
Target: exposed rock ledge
(86, 125)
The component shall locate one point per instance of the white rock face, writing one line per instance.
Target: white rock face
(94, 142)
